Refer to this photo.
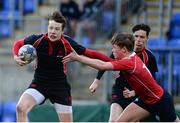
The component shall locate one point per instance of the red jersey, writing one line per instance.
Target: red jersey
(139, 78)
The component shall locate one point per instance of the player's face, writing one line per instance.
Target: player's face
(117, 52)
(140, 40)
(54, 30)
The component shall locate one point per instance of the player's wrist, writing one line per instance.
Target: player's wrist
(15, 57)
(96, 80)
(78, 57)
(133, 93)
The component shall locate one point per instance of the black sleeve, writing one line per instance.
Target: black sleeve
(101, 72)
(77, 47)
(32, 38)
(152, 65)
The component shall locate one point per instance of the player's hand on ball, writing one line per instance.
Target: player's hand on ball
(94, 86)
(127, 93)
(19, 61)
(27, 53)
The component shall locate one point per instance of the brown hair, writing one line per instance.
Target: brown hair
(143, 27)
(123, 39)
(57, 17)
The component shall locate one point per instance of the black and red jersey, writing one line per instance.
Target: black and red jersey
(139, 78)
(50, 68)
(149, 60)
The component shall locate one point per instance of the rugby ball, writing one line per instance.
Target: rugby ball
(27, 53)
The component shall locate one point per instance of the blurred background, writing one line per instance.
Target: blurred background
(91, 23)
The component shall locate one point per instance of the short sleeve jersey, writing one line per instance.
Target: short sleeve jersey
(148, 59)
(139, 78)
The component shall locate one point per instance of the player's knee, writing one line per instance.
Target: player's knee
(21, 108)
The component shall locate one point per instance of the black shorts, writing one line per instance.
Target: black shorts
(117, 96)
(54, 93)
(164, 109)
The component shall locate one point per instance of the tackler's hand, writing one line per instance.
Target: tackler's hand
(71, 57)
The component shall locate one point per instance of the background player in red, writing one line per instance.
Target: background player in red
(152, 98)
(122, 93)
(50, 80)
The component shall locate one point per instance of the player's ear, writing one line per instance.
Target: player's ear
(62, 32)
(124, 49)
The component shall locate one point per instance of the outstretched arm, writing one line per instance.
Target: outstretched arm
(95, 63)
(95, 84)
(97, 55)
